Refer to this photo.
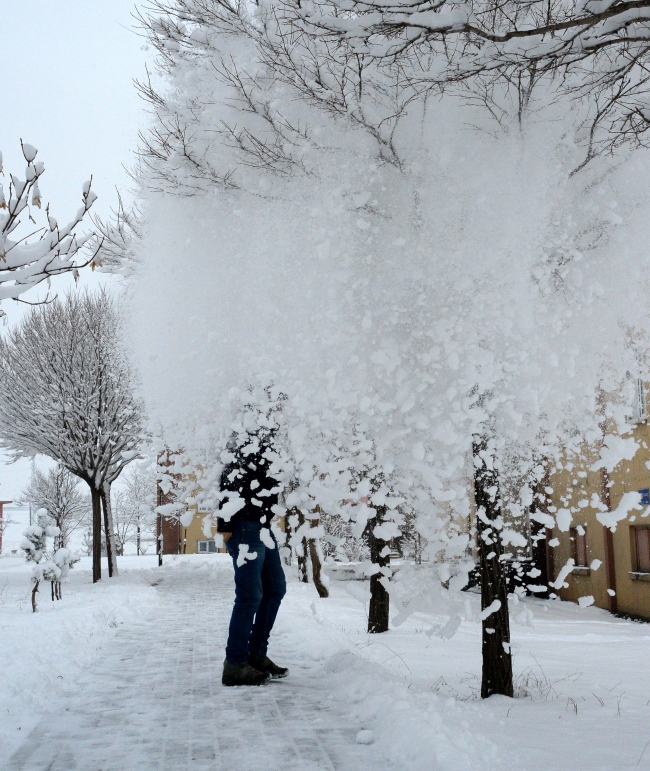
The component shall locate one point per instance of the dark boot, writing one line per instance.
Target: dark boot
(264, 664)
(242, 674)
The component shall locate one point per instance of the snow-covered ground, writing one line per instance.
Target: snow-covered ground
(44, 654)
(125, 675)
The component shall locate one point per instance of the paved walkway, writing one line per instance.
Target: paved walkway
(154, 700)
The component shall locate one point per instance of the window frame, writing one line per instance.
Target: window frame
(574, 535)
(636, 565)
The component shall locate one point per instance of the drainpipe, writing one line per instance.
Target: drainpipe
(610, 564)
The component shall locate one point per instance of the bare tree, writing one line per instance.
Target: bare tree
(177, 156)
(69, 395)
(38, 253)
(365, 61)
(599, 52)
(57, 491)
(135, 509)
(122, 522)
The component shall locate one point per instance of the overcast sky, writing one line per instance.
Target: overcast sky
(66, 88)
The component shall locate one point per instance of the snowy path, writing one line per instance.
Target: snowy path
(126, 676)
(154, 700)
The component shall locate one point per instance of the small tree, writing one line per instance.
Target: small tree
(303, 534)
(49, 566)
(57, 491)
(69, 394)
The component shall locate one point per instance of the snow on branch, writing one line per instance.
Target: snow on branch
(38, 252)
(114, 243)
(190, 149)
(600, 50)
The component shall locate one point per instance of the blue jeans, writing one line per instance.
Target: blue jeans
(259, 588)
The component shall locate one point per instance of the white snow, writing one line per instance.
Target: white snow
(126, 675)
(45, 653)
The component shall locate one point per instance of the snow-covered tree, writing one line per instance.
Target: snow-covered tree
(57, 491)
(51, 565)
(594, 52)
(420, 277)
(31, 254)
(69, 394)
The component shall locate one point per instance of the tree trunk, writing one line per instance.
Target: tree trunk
(34, 590)
(301, 549)
(380, 556)
(109, 545)
(302, 561)
(137, 539)
(539, 537)
(497, 659)
(109, 527)
(97, 535)
(58, 540)
(287, 539)
(159, 539)
(316, 569)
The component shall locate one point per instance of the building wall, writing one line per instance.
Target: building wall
(579, 484)
(193, 533)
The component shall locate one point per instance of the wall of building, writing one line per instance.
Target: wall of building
(578, 483)
(193, 533)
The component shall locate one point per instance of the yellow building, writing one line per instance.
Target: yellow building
(173, 534)
(178, 538)
(612, 567)
(193, 538)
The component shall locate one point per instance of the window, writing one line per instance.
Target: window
(642, 548)
(579, 546)
(639, 408)
(207, 547)
(644, 492)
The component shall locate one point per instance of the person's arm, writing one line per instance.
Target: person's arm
(224, 529)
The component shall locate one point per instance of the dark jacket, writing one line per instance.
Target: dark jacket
(249, 475)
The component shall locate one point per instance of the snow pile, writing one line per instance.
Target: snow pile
(578, 703)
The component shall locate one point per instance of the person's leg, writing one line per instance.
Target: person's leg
(248, 591)
(274, 587)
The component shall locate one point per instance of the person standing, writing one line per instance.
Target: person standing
(249, 495)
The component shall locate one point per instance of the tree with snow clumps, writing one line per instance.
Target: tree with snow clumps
(57, 491)
(69, 394)
(41, 252)
(49, 565)
(588, 51)
(438, 298)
